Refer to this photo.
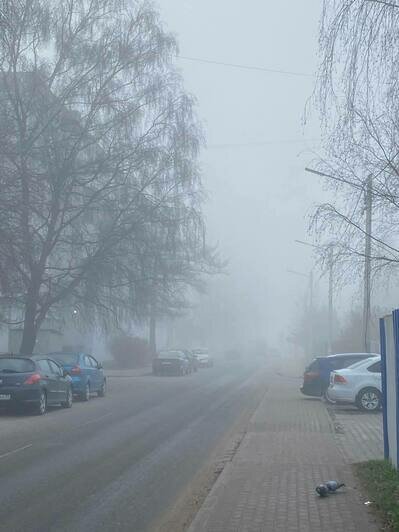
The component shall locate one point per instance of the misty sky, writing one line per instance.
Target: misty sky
(259, 195)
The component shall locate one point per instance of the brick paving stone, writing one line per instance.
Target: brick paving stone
(289, 448)
(360, 437)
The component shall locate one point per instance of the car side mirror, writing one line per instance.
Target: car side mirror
(99, 366)
(65, 373)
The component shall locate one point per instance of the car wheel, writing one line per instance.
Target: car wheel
(69, 399)
(103, 390)
(369, 400)
(86, 393)
(41, 407)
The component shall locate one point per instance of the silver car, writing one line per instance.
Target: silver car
(203, 358)
(359, 384)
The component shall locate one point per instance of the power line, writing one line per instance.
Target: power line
(245, 67)
(260, 143)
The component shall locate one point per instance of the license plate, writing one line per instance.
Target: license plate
(5, 397)
(166, 363)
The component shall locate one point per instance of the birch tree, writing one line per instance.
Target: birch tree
(98, 141)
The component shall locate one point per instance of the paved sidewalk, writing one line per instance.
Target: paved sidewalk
(359, 435)
(289, 448)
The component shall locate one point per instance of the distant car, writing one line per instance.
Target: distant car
(203, 357)
(192, 360)
(33, 383)
(316, 378)
(86, 372)
(360, 384)
(171, 363)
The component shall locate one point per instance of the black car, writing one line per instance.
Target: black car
(33, 383)
(316, 378)
(192, 360)
(171, 363)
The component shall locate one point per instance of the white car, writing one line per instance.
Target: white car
(359, 384)
(203, 358)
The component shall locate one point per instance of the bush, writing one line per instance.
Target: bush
(130, 352)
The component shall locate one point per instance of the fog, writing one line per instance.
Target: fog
(190, 221)
(252, 74)
(260, 197)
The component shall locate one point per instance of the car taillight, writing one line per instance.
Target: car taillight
(76, 370)
(339, 379)
(311, 375)
(33, 379)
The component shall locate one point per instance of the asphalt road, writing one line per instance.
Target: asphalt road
(118, 463)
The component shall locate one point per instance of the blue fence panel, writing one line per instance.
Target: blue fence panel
(395, 315)
(383, 345)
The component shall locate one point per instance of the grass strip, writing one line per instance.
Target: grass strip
(380, 482)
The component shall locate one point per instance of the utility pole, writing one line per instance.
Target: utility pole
(311, 313)
(367, 264)
(330, 298)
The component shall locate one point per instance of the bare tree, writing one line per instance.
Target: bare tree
(98, 140)
(357, 92)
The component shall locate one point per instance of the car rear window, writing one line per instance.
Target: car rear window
(315, 364)
(359, 363)
(68, 359)
(341, 362)
(169, 354)
(16, 365)
(375, 368)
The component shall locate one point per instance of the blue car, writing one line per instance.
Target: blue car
(86, 372)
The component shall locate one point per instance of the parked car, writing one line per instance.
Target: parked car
(360, 384)
(86, 372)
(316, 378)
(170, 363)
(203, 358)
(192, 360)
(33, 383)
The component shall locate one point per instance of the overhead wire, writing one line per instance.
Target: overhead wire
(260, 143)
(245, 67)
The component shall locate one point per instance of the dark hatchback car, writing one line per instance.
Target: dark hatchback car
(171, 363)
(33, 383)
(316, 378)
(86, 372)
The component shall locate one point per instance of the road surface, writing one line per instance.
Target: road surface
(119, 463)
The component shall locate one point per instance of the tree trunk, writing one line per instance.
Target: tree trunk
(30, 329)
